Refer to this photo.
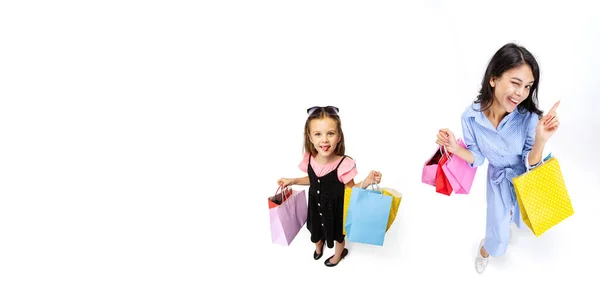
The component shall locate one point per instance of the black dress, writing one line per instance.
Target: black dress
(325, 206)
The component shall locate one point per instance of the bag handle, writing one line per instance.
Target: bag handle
(548, 157)
(448, 154)
(372, 186)
(445, 152)
(283, 188)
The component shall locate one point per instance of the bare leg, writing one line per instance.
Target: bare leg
(339, 248)
(319, 246)
(484, 252)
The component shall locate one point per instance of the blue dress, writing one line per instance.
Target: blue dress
(506, 149)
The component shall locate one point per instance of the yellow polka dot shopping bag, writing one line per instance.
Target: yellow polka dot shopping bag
(542, 196)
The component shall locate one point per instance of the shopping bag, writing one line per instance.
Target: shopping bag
(287, 218)
(278, 198)
(367, 216)
(430, 167)
(543, 197)
(347, 196)
(396, 199)
(442, 185)
(459, 173)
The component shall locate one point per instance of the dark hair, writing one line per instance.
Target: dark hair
(340, 149)
(506, 58)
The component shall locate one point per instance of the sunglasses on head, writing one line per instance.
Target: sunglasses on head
(315, 110)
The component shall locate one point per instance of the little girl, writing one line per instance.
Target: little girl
(329, 173)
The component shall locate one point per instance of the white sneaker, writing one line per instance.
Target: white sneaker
(480, 261)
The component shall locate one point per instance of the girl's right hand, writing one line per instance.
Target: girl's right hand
(446, 138)
(283, 182)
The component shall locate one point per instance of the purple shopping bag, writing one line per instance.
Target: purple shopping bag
(430, 168)
(459, 173)
(287, 217)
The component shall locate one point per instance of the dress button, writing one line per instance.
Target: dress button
(318, 191)
(320, 214)
(318, 204)
(322, 225)
(318, 180)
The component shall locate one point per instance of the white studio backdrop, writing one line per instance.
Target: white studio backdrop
(140, 142)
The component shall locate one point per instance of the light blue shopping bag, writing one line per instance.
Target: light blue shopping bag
(368, 214)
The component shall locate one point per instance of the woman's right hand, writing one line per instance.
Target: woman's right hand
(283, 182)
(446, 138)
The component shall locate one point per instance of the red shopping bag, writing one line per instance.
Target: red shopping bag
(279, 198)
(442, 184)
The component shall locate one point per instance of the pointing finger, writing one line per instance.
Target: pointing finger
(553, 109)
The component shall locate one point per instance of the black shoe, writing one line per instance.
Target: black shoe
(317, 256)
(330, 264)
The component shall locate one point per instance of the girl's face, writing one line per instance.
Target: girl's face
(324, 135)
(512, 87)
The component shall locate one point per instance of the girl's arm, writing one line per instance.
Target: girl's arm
(293, 181)
(351, 184)
(374, 176)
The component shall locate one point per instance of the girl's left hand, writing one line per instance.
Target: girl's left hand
(548, 124)
(374, 177)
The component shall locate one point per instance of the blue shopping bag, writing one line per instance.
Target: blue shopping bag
(368, 214)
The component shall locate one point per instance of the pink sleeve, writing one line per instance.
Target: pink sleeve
(347, 170)
(304, 164)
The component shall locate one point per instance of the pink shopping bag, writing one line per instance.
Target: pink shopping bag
(430, 168)
(459, 173)
(288, 212)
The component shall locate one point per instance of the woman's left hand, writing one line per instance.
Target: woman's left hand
(548, 124)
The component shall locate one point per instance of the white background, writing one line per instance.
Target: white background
(139, 141)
